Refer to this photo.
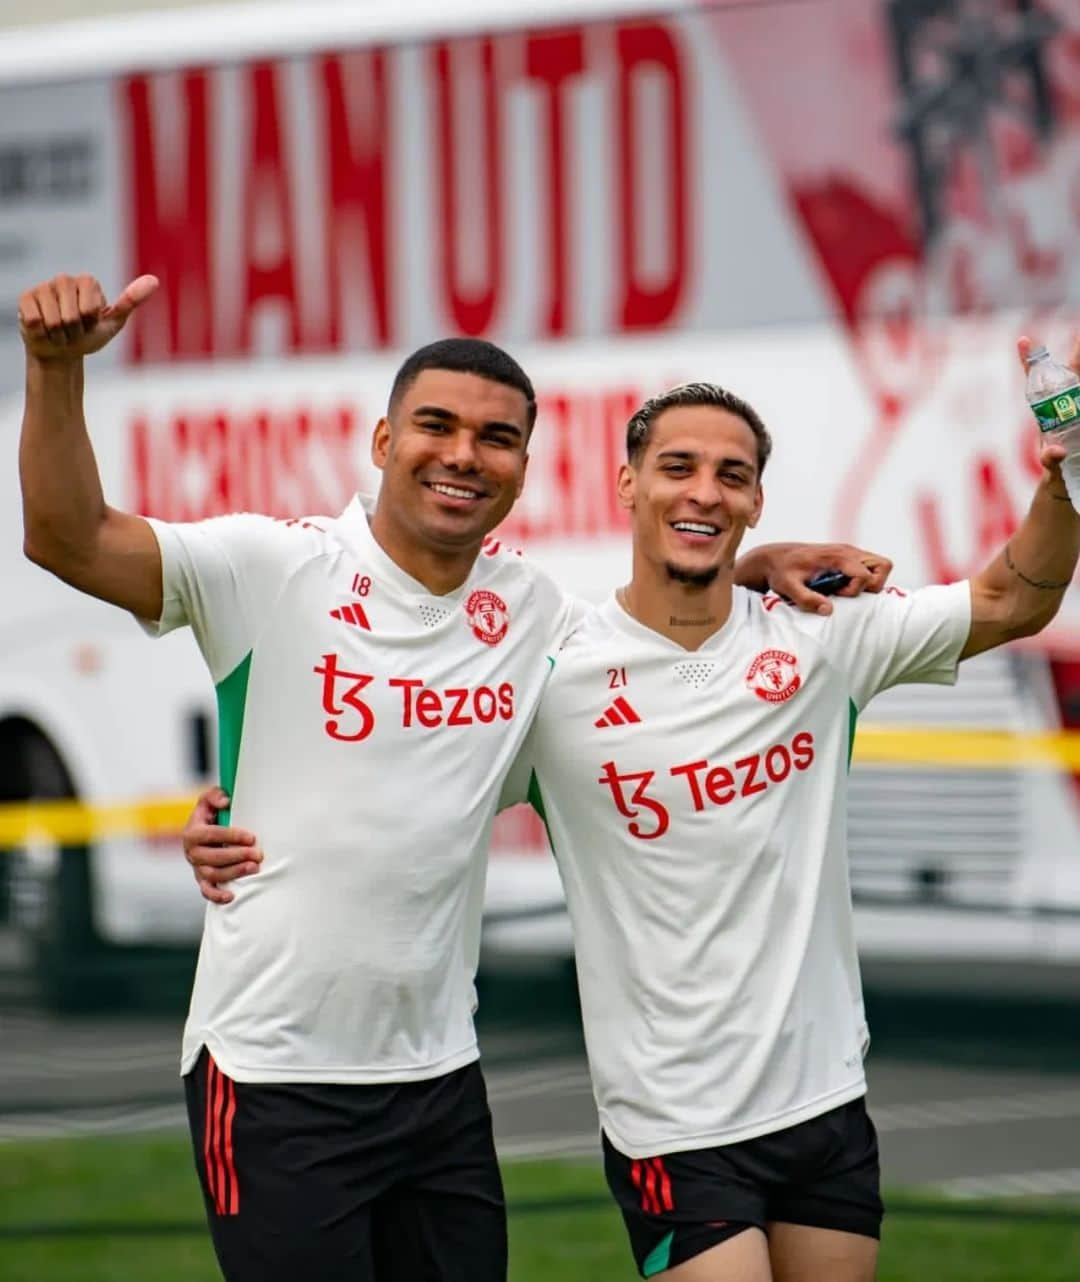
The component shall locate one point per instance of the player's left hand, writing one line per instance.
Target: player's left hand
(217, 854)
(787, 567)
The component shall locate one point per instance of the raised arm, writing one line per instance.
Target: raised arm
(1022, 588)
(68, 527)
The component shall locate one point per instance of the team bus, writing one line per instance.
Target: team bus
(626, 195)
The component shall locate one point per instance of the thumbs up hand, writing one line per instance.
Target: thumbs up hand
(68, 317)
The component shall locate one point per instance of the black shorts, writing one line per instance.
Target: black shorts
(823, 1173)
(388, 1183)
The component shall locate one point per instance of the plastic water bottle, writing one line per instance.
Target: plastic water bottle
(1053, 392)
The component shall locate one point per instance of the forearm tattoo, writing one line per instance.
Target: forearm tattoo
(1044, 585)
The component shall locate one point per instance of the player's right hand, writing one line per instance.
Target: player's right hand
(217, 855)
(68, 317)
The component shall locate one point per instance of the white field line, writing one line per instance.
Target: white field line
(1018, 1184)
(977, 1111)
(74, 1064)
(539, 1083)
(72, 1123)
(559, 1077)
(929, 1115)
(583, 1144)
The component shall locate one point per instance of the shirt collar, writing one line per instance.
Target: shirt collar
(355, 524)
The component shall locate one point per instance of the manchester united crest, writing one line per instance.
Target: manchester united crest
(488, 616)
(774, 676)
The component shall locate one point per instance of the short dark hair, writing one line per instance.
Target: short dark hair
(639, 428)
(465, 356)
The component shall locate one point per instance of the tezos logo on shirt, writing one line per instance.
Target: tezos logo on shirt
(774, 676)
(352, 719)
(488, 616)
(707, 785)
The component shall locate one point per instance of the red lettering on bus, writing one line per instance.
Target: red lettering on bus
(267, 254)
(356, 102)
(202, 463)
(553, 58)
(473, 305)
(649, 47)
(169, 217)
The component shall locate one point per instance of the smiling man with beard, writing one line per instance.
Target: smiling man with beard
(701, 839)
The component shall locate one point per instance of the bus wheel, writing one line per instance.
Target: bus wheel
(53, 907)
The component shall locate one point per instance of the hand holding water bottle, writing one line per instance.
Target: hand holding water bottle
(1053, 392)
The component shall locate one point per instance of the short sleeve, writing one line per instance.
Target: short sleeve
(561, 613)
(897, 638)
(220, 577)
(571, 613)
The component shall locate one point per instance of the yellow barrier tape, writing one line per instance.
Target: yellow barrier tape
(983, 749)
(74, 822)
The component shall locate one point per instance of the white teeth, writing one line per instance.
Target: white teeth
(453, 492)
(693, 527)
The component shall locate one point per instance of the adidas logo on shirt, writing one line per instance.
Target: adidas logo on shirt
(618, 714)
(352, 614)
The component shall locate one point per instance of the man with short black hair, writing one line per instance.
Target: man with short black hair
(376, 673)
(375, 676)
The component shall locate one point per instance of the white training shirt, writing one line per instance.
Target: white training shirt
(695, 802)
(366, 729)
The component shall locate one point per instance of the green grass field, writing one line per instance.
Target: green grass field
(110, 1210)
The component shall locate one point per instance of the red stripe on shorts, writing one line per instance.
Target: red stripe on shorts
(233, 1206)
(650, 1189)
(219, 1165)
(665, 1185)
(208, 1132)
(221, 1180)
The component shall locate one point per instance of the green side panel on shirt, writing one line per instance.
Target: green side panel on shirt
(657, 1259)
(231, 698)
(536, 800)
(853, 717)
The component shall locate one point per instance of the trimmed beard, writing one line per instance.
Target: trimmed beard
(691, 578)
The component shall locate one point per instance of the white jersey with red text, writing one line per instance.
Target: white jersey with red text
(366, 727)
(695, 803)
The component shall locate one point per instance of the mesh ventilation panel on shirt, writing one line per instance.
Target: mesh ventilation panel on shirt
(696, 672)
(432, 615)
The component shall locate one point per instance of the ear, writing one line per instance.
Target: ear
(626, 485)
(521, 478)
(759, 503)
(380, 443)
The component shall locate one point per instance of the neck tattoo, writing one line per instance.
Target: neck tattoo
(675, 622)
(623, 598)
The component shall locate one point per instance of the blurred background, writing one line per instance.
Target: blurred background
(844, 210)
